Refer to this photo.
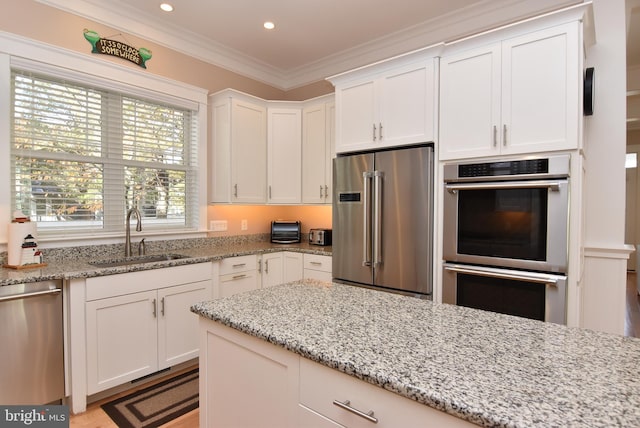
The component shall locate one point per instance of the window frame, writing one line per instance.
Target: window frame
(86, 69)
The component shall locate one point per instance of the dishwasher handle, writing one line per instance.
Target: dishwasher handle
(32, 294)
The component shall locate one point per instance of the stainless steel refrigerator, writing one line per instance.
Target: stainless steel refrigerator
(383, 219)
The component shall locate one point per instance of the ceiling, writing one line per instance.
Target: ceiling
(312, 40)
(316, 39)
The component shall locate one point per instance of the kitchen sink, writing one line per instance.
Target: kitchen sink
(137, 260)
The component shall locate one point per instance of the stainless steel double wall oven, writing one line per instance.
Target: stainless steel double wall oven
(506, 236)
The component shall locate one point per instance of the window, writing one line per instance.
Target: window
(82, 156)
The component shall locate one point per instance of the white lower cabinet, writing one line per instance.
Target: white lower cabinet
(240, 372)
(272, 269)
(293, 269)
(237, 275)
(138, 323)
(317, 267)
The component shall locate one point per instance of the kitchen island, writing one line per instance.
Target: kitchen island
(489, 369)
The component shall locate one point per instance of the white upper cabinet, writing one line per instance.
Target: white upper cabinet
(520, 95)
(387, 104)
(318, 130)
(238, 149)
(284, 127)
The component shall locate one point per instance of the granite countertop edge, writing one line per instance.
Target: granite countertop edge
(81, 268)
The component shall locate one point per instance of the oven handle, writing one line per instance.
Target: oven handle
(538, 184)
(539, 278)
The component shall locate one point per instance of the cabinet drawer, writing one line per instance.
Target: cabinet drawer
(316, 262)
(237, 264)
(318, 274)
(234, 283)
(133, 282)
(320, 386)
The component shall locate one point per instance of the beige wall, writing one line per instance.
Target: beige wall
(259, 217)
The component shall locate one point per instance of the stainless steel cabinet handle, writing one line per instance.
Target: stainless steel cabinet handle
(374, 132)
(34, 294)
(326, 191)
(346, 406)
(266, 267)
(316, 263)
(260, 266)
(504, 135)
(495, 136)
(539, 184)
(321, 191)
(162, 306)
(235, 190)
(153, 302)
(269, 192)
(538, 278)
(239, 265)
(380, 130)
(239, 276)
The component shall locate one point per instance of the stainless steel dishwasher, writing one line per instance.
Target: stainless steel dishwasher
(31, 343)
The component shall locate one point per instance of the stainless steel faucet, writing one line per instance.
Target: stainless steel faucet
(127, 239)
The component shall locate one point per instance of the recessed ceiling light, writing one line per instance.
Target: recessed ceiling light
(166, 7)
(269, 25)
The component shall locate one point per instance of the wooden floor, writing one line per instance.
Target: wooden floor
(95, 417)
(632, 318)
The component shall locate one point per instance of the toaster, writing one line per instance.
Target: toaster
(320, 236)
(285, 231)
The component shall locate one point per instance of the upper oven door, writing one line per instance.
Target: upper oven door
(520, 224)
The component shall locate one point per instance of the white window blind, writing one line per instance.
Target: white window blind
(82, 156)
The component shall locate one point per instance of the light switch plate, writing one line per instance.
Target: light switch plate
(218, 225)
(244, 225)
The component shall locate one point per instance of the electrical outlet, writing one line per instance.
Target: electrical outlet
(218, 225)
(244, 225)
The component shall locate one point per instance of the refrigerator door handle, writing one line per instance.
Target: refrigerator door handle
(366, 236)
(377, 218)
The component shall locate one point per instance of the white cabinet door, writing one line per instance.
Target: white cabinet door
(356, 116)
(518, 96)
(393, 107)
(177, 325)
(238, 150)
(470, 103)
(407, 106)
(122, 340)
(314, 154)
(248, 151)
(293, 270)
(245, 381)
(284, 155)
(272, 269)
(541, 80)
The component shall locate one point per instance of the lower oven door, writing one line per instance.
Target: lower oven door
(532, 295)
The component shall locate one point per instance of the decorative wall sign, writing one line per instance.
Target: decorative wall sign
(116, 48)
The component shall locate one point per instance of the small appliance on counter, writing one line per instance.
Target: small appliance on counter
(320, 236)
(285, 232)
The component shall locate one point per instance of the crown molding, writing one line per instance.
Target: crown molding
(472, 19)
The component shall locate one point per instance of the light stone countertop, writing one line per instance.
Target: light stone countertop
(69, 263)
(490, 369)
